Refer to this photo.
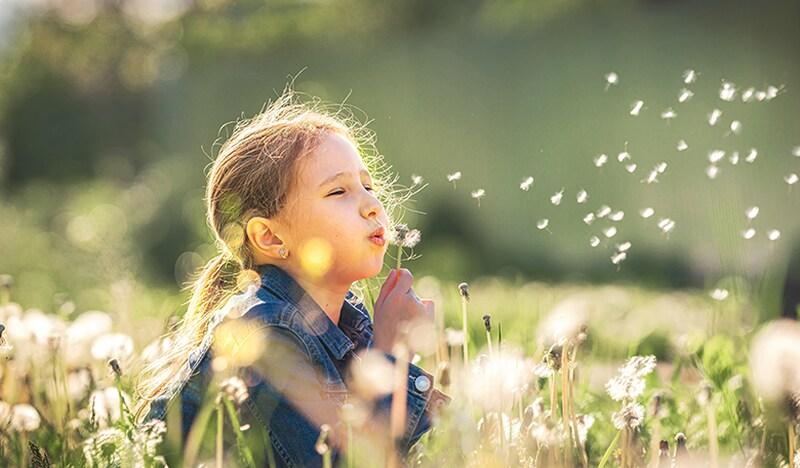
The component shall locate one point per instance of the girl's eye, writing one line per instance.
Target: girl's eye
(337, 192)
(368, 188)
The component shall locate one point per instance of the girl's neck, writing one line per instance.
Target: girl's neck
(329, 297)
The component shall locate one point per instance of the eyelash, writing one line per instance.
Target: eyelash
(339, 192)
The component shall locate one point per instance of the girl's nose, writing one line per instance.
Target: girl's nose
(371, 207)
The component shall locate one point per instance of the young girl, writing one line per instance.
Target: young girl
(300, 203)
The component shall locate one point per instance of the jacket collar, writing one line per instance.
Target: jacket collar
(353, 319)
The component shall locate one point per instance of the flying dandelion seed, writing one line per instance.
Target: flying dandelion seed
(719, 294)
(582, 196)
(623, 156)
(715, 156)
(734, 158)
(761, 95)
(736, 127)
(773, 234)
(647, 212)
(751, 155)
(600, 160)
(661, 167)
(623, 247)
(526, 184)
(684, 95)
(791, 179)
(772, 92)
(610, 232)
(603, 211)
(748, 94)
(617, 215)
(636, 108)
(631, 168)
(594, 241)
(752, 212)
(454, 177)
(589, 218)
(556, 197)
(478, 194)
(727, 92)
(669, 114)
(714, 116)
(618, 257)
(611, 79)
(749, 233)
(689, 76)
(651, 178)
(796, 151)
(712, 171)
(416, 179)
(542, 224)
(682, 145)
(666, 225)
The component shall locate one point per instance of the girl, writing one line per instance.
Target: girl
(300, 203)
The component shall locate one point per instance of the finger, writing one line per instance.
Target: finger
(430, 307)
(404, 282)
(386, 288)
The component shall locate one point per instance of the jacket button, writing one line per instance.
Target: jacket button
(423, 383)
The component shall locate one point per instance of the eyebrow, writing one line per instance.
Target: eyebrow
(340, 174)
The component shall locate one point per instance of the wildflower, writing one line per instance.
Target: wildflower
(647, 212)
(629, 384)
(24, 418)
(112, 345)
(751, 155)
(478, 194)
(773, 234)
(712, 171)
(594, 241)
(603, 211)
(714, 116)
(618, 257)
(669, 114)
(589, 218)
(791, 179)
(611, 79)
(582, 196)
(454, 177)
(542, 224)
(416, 179)
(749, 233)
(689, 76)
(666, 225)
(617, 215)
(719, 294)
(235, 389)
(736, 127)
(630, 415)
(585, 422)
(526, 184)
(631, 168)
(600, 160)
(682, 145)
(727, 92)
(109, 447)
(610, 231)
(149, 436)
(555, 199)
(636, 107)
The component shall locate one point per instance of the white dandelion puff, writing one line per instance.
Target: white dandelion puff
(748, 94)
(751, 155)
(631, 168)
(610, 232)
(719, 294)
(736, 127)
(589, 218)
(526, 184)
(685, 95)
(689, 76)
(773, 234)
(636, 107)
(749, 233)
(617, 215)
(542, 224)
(582, 196)
(611, 79)
(712, 171)
(556, 197)
(618, 257)
(594, 241)
(647, 212)
(714, 116)
(727, 92)
(682, 145)
(454, 177)
(791, 179)
(669, 114)
(416, 179)
(603, 211)
(600, 160)
(715, 156)
(752, 212)
(630, 415)
(478, 194)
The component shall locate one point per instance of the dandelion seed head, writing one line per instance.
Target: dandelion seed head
(636, 107)
(682, 145)
(669, 114)
(542, 223)
(526, 184)
(630, 415)
(719, 294)
(631, 168)
(647, 212)
(618, 257)
(24, 418)
(773, 234)
(236, 389)
(594, 241)
(685, 95)
(582, 196)
(689, 76)
(791, 179)
(589, 218)
(600, 160)
(610, 231)
(775, 359)
(727, 92)
(712, 171)
(555, 199)
(714, 116)
(112, 346)
(749, 233)
(751, 155)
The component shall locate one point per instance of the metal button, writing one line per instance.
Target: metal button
(423, 383)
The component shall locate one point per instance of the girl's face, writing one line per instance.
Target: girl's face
(333, 213)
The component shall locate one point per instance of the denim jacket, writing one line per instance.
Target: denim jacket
(302, 380)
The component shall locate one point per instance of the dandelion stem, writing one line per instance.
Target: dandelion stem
(466, 331)
(399, 255)
(219, 431)
(398, 408)
(609, 450)
(713, 444)
(241, 443)
(791, 442)
(565, 418)
(489, 341)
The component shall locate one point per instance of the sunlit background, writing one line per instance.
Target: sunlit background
(111, 112)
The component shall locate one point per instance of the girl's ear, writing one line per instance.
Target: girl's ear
(261, 235)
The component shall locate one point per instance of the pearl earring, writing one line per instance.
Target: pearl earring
(283, 252)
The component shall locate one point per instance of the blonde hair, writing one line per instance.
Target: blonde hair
(254, 171)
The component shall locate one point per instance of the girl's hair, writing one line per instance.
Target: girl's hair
(254, 171)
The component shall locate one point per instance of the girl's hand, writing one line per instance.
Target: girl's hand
(397, 305)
